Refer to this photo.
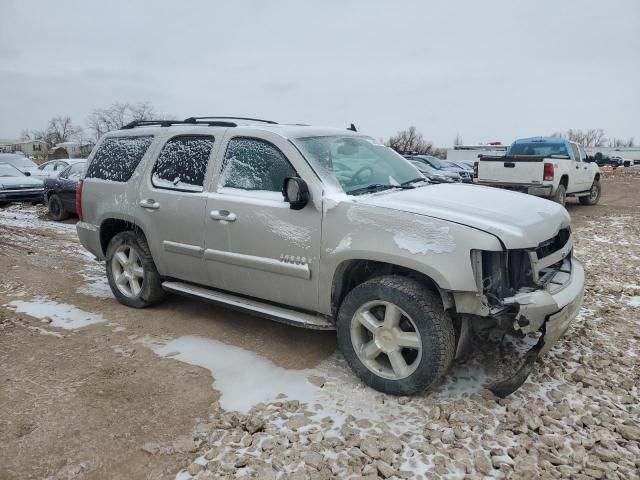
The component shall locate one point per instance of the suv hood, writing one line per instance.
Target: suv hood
(517, 219)
(9, 182)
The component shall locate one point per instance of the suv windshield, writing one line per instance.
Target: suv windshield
(539, 149)
(357, 163)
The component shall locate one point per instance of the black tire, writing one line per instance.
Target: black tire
(151, 291)
(56, 208)
(594, 194)
(561, 195)
(433, 324)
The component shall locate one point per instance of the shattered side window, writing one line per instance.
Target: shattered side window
(182, 163)
(117, 158)
(254, 164)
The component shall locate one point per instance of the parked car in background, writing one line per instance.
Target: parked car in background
(21, 162)
(465, 165)
(548, 167)
(16, 186)
(53, 168)
(436, 176)
(442, 165)
(60, 191)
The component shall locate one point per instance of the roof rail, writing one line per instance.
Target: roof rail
(195, 119)
(168, 123)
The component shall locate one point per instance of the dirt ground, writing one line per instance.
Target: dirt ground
(81, 403)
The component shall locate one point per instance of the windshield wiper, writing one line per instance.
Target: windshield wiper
(409, 182)
(379, 186)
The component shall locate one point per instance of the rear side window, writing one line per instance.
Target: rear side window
(182, 163)
(117, 158)
(254, 164)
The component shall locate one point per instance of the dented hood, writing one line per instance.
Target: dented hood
(517, 219)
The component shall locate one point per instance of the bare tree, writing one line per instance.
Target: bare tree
(115, 116)
(27, 134)
(409, 141)
(618, 142)
(458, 140)
(594, 137)
(60, 129)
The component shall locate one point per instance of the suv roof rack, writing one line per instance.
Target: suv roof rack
(195, 119)
(168, 123)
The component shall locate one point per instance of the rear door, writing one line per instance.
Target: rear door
(580, 171)
(172, 201)
(256, 245)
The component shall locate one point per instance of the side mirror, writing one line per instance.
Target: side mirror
(28, 174)
(295, 192)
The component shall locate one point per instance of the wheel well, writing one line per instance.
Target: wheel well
(564, 180)
(597, 177)
(354, 272)
(113, 226)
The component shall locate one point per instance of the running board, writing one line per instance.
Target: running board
(249, 305)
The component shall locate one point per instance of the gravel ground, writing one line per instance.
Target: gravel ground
(576, 417)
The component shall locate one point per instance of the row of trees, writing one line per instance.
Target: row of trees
(594, 137)
(102, 120)
(412, 141)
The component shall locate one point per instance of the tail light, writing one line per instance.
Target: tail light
(79, 200)
(475, 169)
(548, 173)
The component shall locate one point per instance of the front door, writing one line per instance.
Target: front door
(255, 244)
(172, 202)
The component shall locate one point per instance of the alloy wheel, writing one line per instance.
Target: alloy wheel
(386, 340)
(128, 271)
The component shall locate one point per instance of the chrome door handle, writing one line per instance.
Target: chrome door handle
(225, 215)
(149, 203)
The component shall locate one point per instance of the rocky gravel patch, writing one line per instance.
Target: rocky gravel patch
(576, 417)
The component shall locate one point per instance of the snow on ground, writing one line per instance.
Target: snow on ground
(61, 315)
(25, 217)
(242, 377)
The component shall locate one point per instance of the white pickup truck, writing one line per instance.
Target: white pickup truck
(544, 166)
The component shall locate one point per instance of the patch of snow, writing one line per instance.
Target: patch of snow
(343, 245)
(634, 301)
(62, 315)
(243, 378)
(296, 234)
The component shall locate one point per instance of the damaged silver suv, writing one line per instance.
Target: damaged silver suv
(327, 229)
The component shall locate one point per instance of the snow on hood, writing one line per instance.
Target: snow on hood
(519, 220)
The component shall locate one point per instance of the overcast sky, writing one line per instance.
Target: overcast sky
(489, 70)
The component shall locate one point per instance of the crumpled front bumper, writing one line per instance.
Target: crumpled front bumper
(550, 311)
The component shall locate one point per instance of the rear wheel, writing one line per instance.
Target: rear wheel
(594, 194)
(395, 335)
(132, 274)
(56, 208)
(561, 195)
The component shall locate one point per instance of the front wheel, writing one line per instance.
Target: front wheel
(395, 335)
(594, 194)
(132, 274)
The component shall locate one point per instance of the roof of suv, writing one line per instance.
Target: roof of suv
(162, 127)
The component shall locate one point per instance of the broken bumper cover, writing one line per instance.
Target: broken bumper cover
(549, 311)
